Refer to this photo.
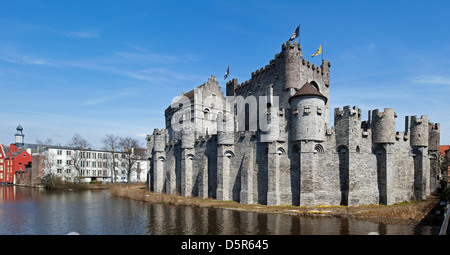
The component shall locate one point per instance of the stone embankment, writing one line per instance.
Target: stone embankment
(409, 213)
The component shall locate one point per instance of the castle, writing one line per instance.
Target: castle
(269, 141)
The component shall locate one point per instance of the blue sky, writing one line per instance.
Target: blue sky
(112, 67)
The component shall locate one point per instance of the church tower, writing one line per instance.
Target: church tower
(19, 136)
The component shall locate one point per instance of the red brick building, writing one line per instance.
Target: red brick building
(14, 158)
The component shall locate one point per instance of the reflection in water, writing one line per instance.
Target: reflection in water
(36, 211)
(187, 220)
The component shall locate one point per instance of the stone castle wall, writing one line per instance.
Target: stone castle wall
(301, 160)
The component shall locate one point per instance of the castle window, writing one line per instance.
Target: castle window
(357, 149)
(295, 111)
(307, 109)
(342, 149)
(315, 85)
(229, 154)
(319, 149)
(319, 110)
(281, 151)
(162, 159)
(206, 113)
(190, 156)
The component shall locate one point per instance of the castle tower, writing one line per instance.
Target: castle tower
(383, 134)
(433, 148)
(383, 126)
(307, 120)
(291, 54)
(225, 155)
(159, 159)
(418, 132)
(19, 136)
(187, 158)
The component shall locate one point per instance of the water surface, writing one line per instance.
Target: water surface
(40, 212)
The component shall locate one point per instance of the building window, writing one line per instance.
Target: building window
(68, 153)
(59, 162)
(307, 109)
(319, 149)
(59, 152)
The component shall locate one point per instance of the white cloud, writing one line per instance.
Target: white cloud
(109, 97)
(22, 59)
(83, 34)
(430, 79)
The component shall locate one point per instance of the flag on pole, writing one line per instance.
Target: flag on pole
(227, 73)
(319, 51)
(295, 34)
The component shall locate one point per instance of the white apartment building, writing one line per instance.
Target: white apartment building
(93, 165)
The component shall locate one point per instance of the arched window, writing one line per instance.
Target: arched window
(281, 151)
(342, 149)
(318, 149)
(315, 85)
(229, 154)
(206, 113)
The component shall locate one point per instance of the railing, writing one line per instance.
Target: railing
(444, 226)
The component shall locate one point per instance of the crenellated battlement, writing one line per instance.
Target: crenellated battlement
(418, 128)
(383, 125)
(347, 111)
(291, 46)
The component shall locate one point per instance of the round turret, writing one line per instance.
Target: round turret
(308, 106)
(291, 54)
(383, 127)
(419, 131)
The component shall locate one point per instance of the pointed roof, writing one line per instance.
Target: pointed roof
(308, 90)
(19, 128)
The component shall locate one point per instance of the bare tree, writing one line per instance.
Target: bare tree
(50, 162)
(47, 142)
(131, 154)
(78, 156)
(111, 144)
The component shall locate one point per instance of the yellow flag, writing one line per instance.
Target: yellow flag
(318, 51)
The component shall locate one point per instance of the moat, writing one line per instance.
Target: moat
(28, 211)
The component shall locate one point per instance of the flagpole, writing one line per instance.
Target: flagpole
(322, 51)
(299, 34)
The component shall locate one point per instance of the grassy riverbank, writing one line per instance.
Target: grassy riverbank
(410, 213)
